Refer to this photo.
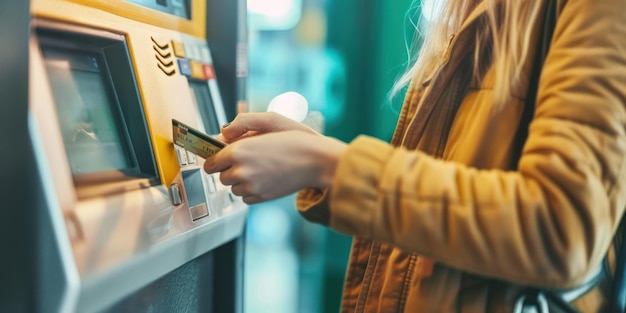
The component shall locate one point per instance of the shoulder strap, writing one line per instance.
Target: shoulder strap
(531, 95)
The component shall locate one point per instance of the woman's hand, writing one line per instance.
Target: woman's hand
(276, 164)
(252, 124)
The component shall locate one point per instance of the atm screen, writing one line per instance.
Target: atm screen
(202, 97)
(88, 113)
(180, 8)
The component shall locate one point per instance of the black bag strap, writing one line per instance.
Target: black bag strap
(618, 288)
(531, 95)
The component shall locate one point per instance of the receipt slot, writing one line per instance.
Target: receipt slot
(137, 224)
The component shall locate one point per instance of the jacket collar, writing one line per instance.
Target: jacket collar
(460, 44)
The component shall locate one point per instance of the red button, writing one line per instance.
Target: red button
(209, 71)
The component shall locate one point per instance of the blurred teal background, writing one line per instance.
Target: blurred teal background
(343, 56)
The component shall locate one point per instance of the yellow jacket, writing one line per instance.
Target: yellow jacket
(449, 187)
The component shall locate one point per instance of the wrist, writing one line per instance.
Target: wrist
(328, 160)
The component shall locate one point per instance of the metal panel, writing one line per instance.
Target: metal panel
(20, 189)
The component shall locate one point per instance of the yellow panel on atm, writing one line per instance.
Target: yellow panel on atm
(194, 25)
(154, 39)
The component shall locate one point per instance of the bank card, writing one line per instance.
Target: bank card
(194, 140)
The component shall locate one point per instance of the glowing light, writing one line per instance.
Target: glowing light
(274, 14)
(290, 104)
(274, 8)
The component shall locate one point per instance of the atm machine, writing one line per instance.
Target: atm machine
(134, 223)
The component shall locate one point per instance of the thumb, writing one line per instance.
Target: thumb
(246, 124)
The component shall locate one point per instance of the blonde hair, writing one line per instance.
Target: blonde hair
(507, 49)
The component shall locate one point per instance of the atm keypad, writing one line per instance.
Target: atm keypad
(194, 60)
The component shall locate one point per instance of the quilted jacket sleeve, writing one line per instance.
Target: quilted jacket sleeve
(547, 224)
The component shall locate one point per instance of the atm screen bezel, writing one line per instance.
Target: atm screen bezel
(71, 47)
(112, 51)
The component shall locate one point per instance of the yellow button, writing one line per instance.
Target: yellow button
(179, 49)
(197, 71)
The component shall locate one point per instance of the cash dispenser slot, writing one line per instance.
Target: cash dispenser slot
(195, 193)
